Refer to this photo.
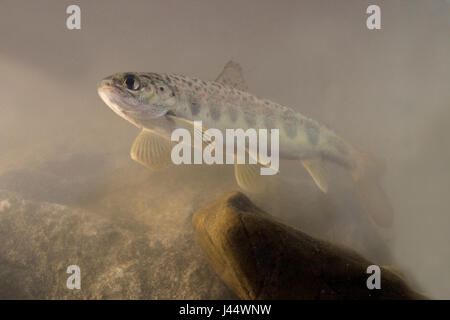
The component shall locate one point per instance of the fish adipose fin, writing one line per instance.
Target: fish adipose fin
(232, 76)
(151, 150)
(374, 200)
(316, 169)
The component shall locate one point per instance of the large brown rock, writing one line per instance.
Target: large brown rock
(259, 257)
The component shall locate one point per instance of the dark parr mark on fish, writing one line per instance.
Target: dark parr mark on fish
(250, 118)
(194, 106)
(269, 121)
(289, 123)
(232, 112)
(215, 111)
(312, 131)
(338, 145)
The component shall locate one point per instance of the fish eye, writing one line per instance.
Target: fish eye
(131, 82)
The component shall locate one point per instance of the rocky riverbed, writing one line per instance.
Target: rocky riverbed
(129, 228)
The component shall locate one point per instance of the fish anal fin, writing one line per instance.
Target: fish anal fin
(151, 150)
(316, 169)
(232, 76)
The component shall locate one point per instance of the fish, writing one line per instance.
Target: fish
(158, 103)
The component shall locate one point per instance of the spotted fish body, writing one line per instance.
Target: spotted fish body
(160, 103)
(222, 107)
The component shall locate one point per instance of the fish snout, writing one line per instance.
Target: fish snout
(111, 95)
(105, 83)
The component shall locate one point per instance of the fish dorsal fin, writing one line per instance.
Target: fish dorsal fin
(232, 76)
(316, 169)
(151, 150)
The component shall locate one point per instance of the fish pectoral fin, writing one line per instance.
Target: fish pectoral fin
(316, 169)
(232, 76)
(151, 150)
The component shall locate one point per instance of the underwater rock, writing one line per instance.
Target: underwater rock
(118, 258)
(261, 258)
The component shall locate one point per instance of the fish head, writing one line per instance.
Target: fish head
(140, 98)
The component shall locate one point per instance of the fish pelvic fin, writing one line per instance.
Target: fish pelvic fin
(248, 177)
(366, 175)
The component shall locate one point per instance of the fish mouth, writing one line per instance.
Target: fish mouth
(119, 101)
(127, 106)
(113, 97)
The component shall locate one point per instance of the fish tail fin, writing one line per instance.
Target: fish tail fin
(366, 175)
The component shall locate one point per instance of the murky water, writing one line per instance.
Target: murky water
(385, 91)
